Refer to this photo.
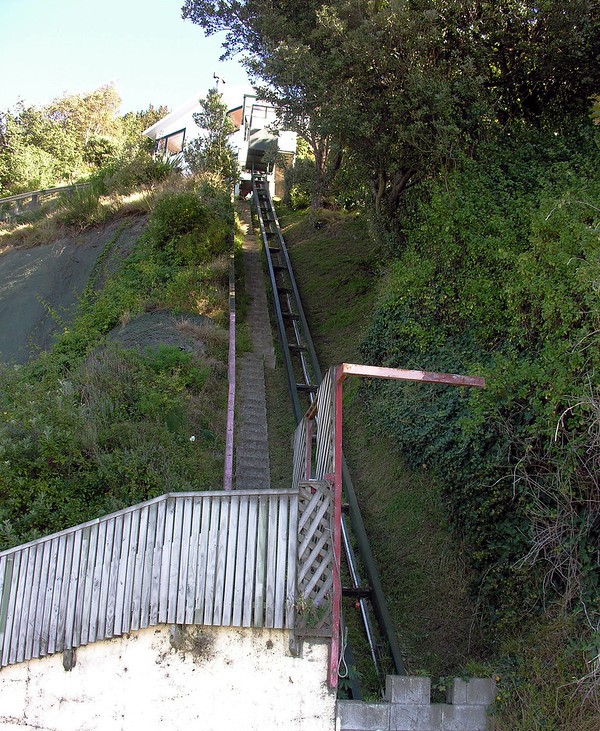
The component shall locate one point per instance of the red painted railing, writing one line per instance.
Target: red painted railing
(325, 417)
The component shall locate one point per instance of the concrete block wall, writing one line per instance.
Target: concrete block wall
(408, 707)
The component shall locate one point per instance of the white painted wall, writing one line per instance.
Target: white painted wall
(222, 679)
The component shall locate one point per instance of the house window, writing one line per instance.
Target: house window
(259, 111)
(170, 144)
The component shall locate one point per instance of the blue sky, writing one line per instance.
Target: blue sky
(49, 47)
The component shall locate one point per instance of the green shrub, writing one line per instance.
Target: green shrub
(107, 433)
(299, 183)
(87, 429)
(82, 208)
(98, 150)
(130, 171)
(187, 230)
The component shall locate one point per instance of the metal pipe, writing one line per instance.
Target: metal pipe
(379, 603)
(362, 602)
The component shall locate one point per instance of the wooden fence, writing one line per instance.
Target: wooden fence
(317, 455)
(213, 558)
(314, 438)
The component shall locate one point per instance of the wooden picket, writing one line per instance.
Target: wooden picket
(215, 558)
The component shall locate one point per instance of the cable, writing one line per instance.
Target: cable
(343, 645)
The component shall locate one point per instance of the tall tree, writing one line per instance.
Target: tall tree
(211, 152)
(537, 57)
(132, 124)
(403, 84)
(87, 115)
(272, 39)
(361, 75)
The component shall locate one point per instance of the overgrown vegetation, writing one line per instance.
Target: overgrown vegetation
(126, 185)
(69, 138)
(93, 426)
(462, 131)
(211, 151)
(397, 90)
(496, 273)
(422, 568)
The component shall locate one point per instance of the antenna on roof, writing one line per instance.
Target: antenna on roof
(218, 79)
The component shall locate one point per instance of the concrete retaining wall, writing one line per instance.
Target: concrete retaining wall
(408, 707)
(168, 679)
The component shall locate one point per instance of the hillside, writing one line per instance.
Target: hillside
(40, 286)
(482, 508)
(126, 400)
(421, 566)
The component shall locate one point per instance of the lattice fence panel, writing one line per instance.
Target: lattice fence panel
(315, 560)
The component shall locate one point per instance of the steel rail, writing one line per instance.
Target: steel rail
(289, 369)
(305, 347)
(362, 602)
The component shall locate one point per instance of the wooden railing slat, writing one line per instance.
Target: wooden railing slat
(240, 563)
(250, 570)
(192, 569)
(214, 558)
(232, 538)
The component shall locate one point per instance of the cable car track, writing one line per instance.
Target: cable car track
(303, 375)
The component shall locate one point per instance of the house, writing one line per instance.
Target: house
(256, 141)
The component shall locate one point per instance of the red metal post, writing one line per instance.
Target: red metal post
(337, 532)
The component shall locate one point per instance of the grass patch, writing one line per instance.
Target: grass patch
(337, 267)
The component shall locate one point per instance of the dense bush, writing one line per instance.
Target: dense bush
(497, 275)
(130, 170)
(114, 431)
(81, 208)
(190, 227)
(299, 183)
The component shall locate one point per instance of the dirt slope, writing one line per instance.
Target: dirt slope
(40, 287)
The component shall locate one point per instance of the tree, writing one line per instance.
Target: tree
(42, 146)
(87, 115)
(403, 84)
(132, 124)
(211, 152)
(537, 57)
(366, 76)
(270, 35)
(34, 153)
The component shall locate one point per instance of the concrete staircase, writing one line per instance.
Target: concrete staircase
(252, 442)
